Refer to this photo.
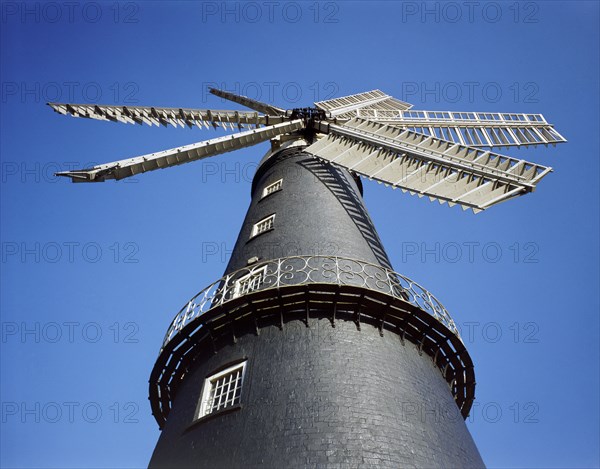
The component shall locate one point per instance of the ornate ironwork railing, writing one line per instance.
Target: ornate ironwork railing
(303, 270)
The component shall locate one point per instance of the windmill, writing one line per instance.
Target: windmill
(303, 357)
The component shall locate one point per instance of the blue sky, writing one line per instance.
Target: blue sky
(93, 274)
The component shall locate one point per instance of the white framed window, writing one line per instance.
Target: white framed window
(276, 186)
(263, 225)
(250, 282)
(222, 390)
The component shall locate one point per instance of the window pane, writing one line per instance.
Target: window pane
(224, 390)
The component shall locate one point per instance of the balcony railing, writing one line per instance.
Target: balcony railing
(303, 270)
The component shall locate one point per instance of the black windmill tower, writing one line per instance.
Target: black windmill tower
(311, 350)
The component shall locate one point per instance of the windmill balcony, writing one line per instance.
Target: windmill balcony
(297, 287)
(306, 270)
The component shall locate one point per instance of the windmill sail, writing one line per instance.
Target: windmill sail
(177, 117)
(477, 129)
(348, 107)
(176, 156)
(249, 102)
(425, 165)
(439, 154)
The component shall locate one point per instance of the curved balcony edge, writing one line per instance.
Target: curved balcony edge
(305, 270)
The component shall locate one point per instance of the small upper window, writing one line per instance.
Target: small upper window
(250, 282)
(222, 390)
(276, 186)
(263, 225)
